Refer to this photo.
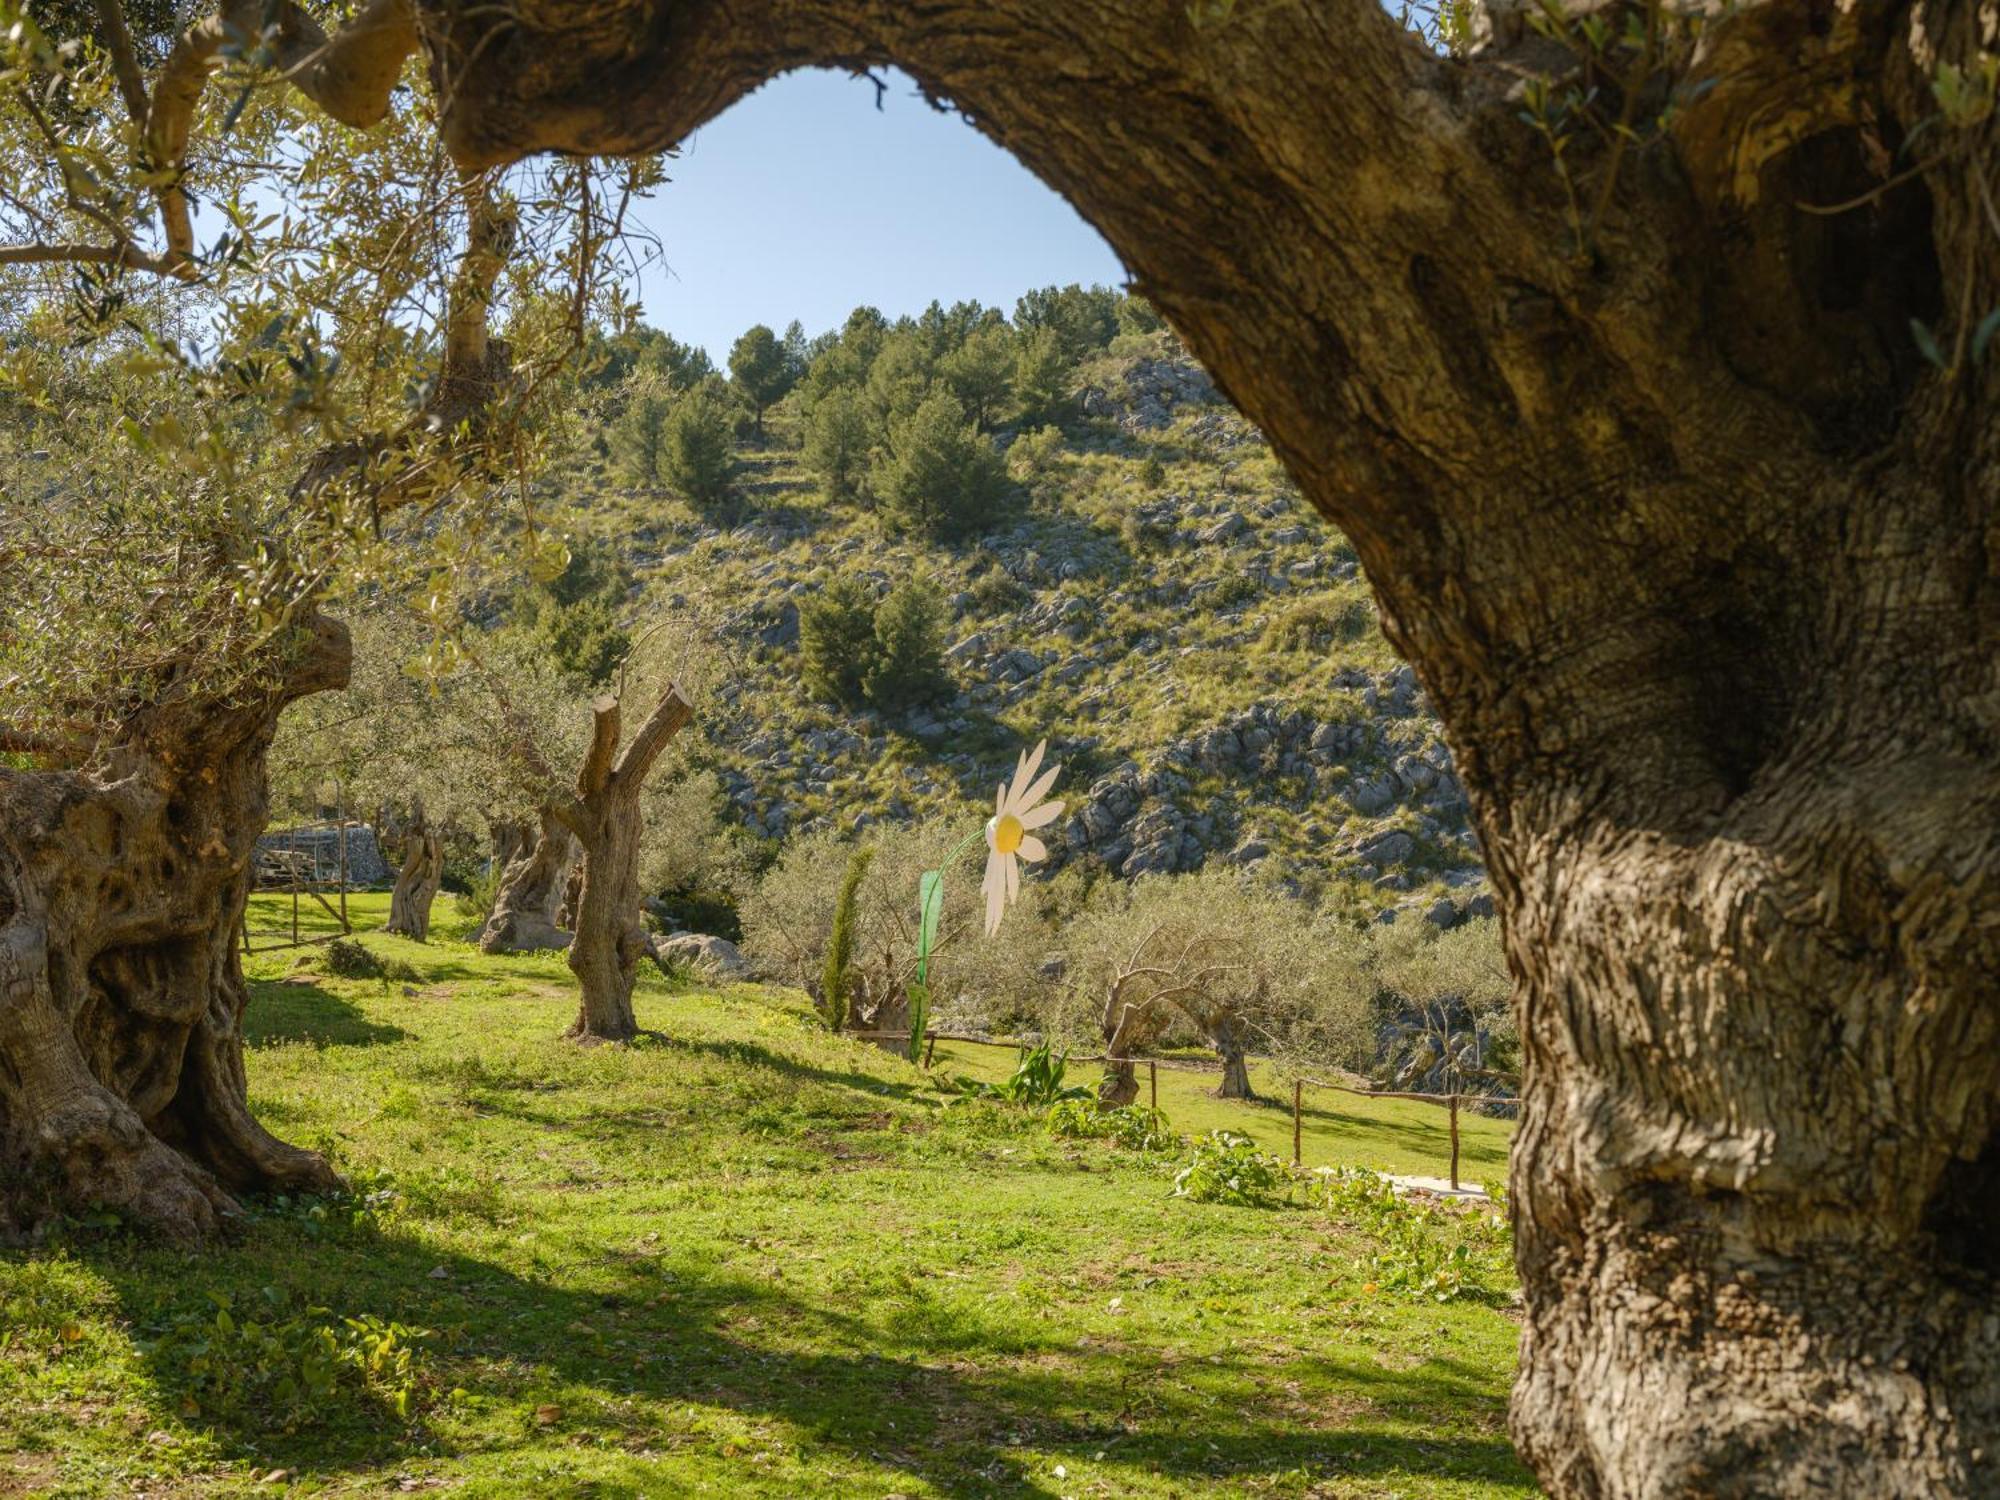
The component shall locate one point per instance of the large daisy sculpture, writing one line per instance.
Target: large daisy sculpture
(1018, 810)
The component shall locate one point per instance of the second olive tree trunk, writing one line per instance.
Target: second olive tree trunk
(418, 880)
(604, 815)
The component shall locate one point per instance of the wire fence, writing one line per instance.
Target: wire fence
(1452, 1101)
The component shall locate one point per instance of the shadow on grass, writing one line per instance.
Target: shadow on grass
(757, 1055)
(1419, 1137)
(298, 1010)
(956, 1415)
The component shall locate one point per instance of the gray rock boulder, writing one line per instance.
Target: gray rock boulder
(1375, 795)
(783, 628)
(1249, 852)
(1230, 526)
(716, 957)
(1390, 847)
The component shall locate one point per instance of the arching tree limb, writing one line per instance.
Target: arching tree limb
(1693, 549)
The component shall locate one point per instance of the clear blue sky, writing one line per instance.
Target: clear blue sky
(803, 201)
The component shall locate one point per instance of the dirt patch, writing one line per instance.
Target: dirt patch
(28, 1473)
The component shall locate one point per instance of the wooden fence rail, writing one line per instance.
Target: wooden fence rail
(297, 885)
(1154, 1064)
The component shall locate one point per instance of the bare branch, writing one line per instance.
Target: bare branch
(20, 742)
(131, 257)
(672, 714)
(489, 240)
(604, 731)
(349, 76)
(124, 61)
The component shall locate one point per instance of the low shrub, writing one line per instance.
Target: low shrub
(347, 959)
(1426, 1254)
(1037, 1080)
(475, 902)
(368, 1200)
(1235, 589)
(1129, 1125)
(995, 592)
(1228, 1168)
(1318, 623)
(285, 1365)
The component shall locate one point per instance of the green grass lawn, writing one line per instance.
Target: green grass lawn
(749, 1259)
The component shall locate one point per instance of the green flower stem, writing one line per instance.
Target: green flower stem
(926, 930)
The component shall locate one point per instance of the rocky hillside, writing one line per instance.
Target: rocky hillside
(1196, 645)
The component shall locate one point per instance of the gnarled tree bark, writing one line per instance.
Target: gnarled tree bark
(572, 893)
(418, 879)
(1229, 1035)
(1698, 558)
(123, 880)
(531, 891)
(122, 887)
(606, 819)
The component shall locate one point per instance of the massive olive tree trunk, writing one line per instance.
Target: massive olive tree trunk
(1696, 551)
(122, 886)
(418, 879)
(532, 882)
(605, 817)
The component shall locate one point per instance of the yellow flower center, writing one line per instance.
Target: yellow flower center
(1007, 833)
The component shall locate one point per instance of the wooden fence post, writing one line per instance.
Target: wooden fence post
(930, 1046)
(292, 859)
(1153, 1072)
(345, 925)
(1454, 1142)
(1298, 1095)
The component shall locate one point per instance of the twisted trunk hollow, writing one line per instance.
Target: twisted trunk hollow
(531, 891)
(121, 988)
(417, 881)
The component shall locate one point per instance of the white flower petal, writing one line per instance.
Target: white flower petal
(1040, 789)
(1013, 876)
(1025, 773)
(1032, 849)
(995, 888)
(1036, 817)
(1000, 800)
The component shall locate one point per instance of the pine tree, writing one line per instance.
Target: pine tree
(697, 448)
(941, 476)
(980, 372)
(908, 669)
(761, 371)
(1041, 376)
(837, 641)
(838, 434)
